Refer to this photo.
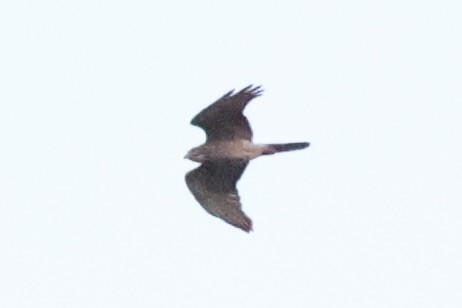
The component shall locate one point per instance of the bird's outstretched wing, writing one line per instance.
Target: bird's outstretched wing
(213, 184)
(223, 120)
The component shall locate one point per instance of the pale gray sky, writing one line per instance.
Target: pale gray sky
(95, 103)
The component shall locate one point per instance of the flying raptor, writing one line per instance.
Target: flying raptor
(225, 155)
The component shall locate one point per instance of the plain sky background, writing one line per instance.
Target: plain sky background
(95, 103)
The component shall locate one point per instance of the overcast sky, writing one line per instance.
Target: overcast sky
(95, 103)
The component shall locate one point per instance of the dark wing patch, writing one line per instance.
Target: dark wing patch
(223, 120)
(213, 184)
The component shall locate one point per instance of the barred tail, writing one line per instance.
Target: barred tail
(284, 147)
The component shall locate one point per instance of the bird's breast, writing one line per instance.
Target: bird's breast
(235, 149)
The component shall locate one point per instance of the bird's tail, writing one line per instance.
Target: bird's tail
(284, 147)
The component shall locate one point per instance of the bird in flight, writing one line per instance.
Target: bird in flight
(225, 155)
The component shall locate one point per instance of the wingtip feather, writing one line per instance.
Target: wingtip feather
(246, 226)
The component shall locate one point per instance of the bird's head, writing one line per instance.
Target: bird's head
(196, 154)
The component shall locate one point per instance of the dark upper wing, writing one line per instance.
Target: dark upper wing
(223, 120)
(213, 184)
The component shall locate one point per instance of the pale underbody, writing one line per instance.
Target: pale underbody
(229, 149)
